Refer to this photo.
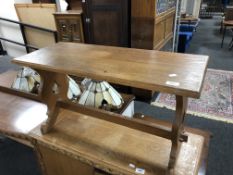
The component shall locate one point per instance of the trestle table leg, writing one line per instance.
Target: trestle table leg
(177, 129)
(54, 87)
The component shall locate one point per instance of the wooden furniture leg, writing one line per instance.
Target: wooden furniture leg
(231, 43)
(177, 129)
(54, 87)
(223, 36)
(221, 27)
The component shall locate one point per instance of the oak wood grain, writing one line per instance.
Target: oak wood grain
(112, 147)
(60, 164)
(7, 78)
(20, 115)
(180, 74)
(133, 123)
(49, 97)
(98, 143)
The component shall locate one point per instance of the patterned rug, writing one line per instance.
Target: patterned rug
(216, 100)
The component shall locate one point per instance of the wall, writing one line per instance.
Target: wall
(183, 6)
(191, 7)
(196, 8)
(11, 31)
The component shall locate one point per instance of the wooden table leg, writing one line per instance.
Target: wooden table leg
(231, 43)
(223, 36)
(50, 95)
(177, 129)
(220, 31)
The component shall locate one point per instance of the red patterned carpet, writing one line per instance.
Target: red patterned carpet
(216, 100)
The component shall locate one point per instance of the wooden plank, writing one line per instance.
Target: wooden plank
(144, 126)
(112, 147)
(9, 121)
(60, 164)
(180, 74)
(144, 9)
(7, 78)
(19, 115)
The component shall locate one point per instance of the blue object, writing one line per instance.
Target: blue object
(225, 2)
(190, 23)
(185, 36)
(187, 28)
(184, 41)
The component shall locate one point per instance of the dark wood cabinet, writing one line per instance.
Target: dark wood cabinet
(106, 22)
(69, 26)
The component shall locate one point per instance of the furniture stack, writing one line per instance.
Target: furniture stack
(138, 24)
(73, 139)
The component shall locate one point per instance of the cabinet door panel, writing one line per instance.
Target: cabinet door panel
(169, 26)
(107, 32)
(75, 30)
(54, 162)
(64, 31)
(107, 22)
(69, 27)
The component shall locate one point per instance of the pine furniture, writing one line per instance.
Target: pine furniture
(151, 70)
(95, 139)
(60, 153)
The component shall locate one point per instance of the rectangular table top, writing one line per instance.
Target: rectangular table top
(180, 74)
